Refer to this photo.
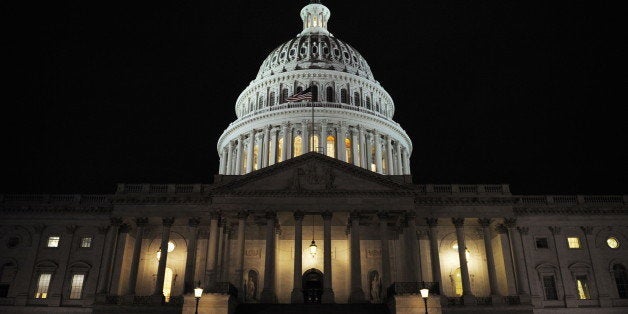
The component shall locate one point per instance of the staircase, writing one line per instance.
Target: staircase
(362, 308)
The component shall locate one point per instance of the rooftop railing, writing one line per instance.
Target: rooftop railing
(292, 105)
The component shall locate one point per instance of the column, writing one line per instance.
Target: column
(328, 291)
(378, 152)
(228, 167)
(272, 154)
(363, 160)
(107, 258)
(260, 154)
(239, 269)
(221, 237)
(383, 234)
(354, 147)
(515, 245)
(322, 142)
(340, 139)
(462, 256)
(413, 263)
(434, 255)
(161, 269)
(269, 295)
(490, 258)
(511, 281)
(212, 249)
(368, 152)
(399, 170)
(406, 161)
(240, 147)
(305, 137)
(297, 290)
(286, 141)
(141, 223)
(249, 154)
(223, 161)
(190, 260)
(602, 292)
(357, 294)
(226, 253)
(389, 158)
(265, 145)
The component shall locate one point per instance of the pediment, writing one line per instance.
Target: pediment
(312, 172)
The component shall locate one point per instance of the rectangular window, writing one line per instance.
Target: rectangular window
(53, 241)
(582, 285)
(42, 285)
(4, 290)
(86, 242)
(573, 242)
(77, 286)
(549, 285)
(541, 243)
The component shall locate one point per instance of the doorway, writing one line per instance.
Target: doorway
(312, 286)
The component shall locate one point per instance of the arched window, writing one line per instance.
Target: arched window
(329, 94)
(356, 99)
(299, 89)
(284, 95)
(314, 93)
(368, 102)
(271, 100)
(331, 144)
(344, 98)
(7, 274)
(621, 280)
(314, 143)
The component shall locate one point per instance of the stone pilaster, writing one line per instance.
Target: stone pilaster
(297, 290)
(328, 291)
(357, 293)
(383, 235)
(467, 294)
(434, 255)
(490, 258)
(269, 294)
(141, 223)
(190, 260)
(161, 268)
(239, 269)
(212, 250)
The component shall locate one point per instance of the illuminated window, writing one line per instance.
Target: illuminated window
(612, 242)
(582, 285)
(53, 241)
(43, 282)
(76, 289)
(549, 286)
(298, 146)
(314, 143)
(86, 242)
(331, 146)
(573, 242)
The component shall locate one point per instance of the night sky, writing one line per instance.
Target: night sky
(521, 92)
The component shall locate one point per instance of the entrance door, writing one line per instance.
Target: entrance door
(312, 286)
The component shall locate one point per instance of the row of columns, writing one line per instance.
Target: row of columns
(268, 295)
(387, 152)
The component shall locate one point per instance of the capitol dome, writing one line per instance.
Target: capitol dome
(348, 115)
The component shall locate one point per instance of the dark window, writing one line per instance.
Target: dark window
(541, 243)
(4, 290)
(329, 94)
(299, 89)
(271, 101)
(621, 280)
(356, 99)
(13, 242)
(284, 95)
(549, 285)
(368, 102)
(343, 96)
(314, 93)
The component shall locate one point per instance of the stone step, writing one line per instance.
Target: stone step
(365, 308)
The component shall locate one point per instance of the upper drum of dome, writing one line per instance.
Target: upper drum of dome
(315, 51)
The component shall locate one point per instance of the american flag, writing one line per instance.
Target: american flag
(302, 95)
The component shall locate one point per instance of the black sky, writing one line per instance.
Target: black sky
(521, 92)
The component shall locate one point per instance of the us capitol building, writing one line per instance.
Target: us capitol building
(314, 203)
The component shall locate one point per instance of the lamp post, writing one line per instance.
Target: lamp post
(425, 293)
(198, 293)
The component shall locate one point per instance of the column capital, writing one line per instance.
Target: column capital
(194, 222)
(382, 215)
(298, 215)
(554, 230)
(124, 228)
(510, 222)
(501, 229)
(116, 221)
(523, 230)
(168, 221)
(431, 221)
(327, 215)
(354, 215)
(243, 214)
(588, 230)
(214, 215)
(270, 215)
(141, 222)
(485, 222)
(458, 222)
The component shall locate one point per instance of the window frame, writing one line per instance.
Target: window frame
(55, 235)
(569, 243)
(36, 294)
(81, 293)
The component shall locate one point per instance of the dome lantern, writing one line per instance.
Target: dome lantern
(315, 17)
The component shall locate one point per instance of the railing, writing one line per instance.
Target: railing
(503, 189)
(484, 301)
(572, 199)
(160, 188)
(56, 198)
(512, 300)
(223, 288)
(413, 287)
(292, 105)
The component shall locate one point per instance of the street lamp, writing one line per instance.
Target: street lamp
(198, 293)
(425, 293)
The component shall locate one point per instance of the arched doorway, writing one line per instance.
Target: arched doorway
(312, 286)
